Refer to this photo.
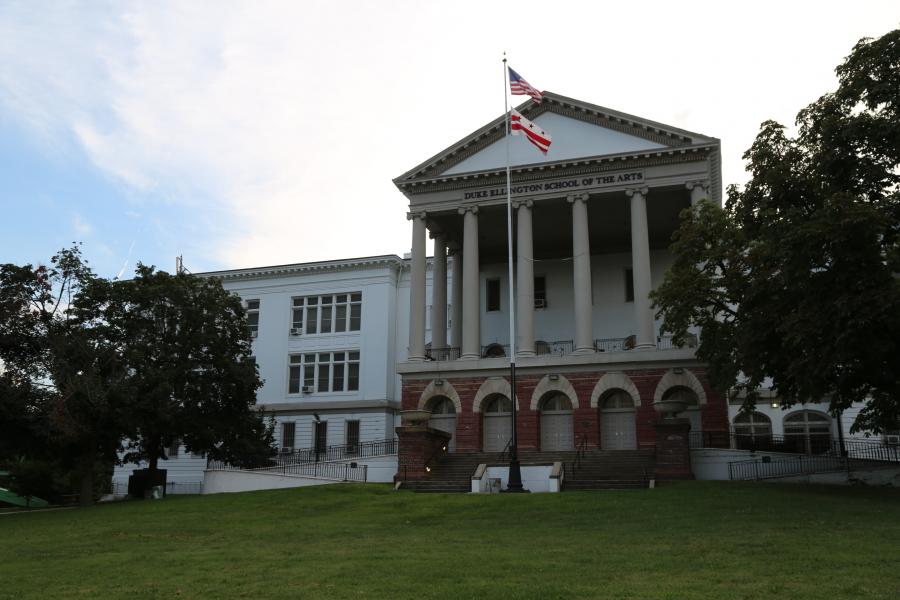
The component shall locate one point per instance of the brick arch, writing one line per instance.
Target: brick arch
(446, 390)
(684, 379)
(561, 385)
(492, 385)
(615, 381)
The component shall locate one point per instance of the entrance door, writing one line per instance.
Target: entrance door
(556, 423)
(497, 424)
(617, 422)
(321, 437)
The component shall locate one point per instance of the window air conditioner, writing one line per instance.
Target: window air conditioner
(296, 331)
(254, 334)
(286, 450)
(892, 440)
(540, 303)
(307, 389)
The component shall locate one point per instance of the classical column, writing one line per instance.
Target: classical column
(417, 290)
(471, 309)
(456, 301)
(640, 268)
(699, 190)
(439, 295)
(581, 261)
(524, 280)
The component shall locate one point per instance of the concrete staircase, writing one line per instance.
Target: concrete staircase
(610, 469)
(597, 470)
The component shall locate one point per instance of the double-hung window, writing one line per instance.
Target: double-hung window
(329, 313)
(324, 372)
(253, 317)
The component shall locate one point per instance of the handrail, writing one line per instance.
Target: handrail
(339, 452)
(505, 452)
(350, 471)
(429, 461)
(796, 444)
(579, 453)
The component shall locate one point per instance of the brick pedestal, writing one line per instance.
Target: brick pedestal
(673, 453)
(417, 444)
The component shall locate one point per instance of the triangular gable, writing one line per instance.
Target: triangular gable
(579, 130)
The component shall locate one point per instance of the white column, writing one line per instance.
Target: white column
(456, 301)
(581, 261)
(439, 295)
(699, 191)
(524, 280)
(640, 266)
(471, 309)
(417, 290)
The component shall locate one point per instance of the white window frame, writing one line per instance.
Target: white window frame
(302, 306)
(254, 327)
(308, 368)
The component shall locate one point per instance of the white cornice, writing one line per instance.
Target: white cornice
(347, 264)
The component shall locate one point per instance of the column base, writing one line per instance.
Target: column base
(584, 350)
(645, 346)
(470, 357)
(526, 353)
(415, 359)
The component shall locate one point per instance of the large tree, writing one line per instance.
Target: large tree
(797, 279)
(186, 345)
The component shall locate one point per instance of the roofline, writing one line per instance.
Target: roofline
(600, 158)
(325, 265)
(527, 106)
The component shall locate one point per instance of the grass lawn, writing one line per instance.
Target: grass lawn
(691, 540)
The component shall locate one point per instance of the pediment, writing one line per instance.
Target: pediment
(578, 129)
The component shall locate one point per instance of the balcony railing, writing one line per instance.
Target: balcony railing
(559, 348)
(442, 353)
(667, 342)
(612, 344)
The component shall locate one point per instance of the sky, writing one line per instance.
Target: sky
(242, 134)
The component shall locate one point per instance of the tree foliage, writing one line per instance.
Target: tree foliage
(797, 279)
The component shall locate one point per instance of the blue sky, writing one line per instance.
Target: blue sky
(245, 134)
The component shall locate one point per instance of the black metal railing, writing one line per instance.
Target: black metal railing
(120, 488)
(802, 464)
(338, 452)
(438, 452)
(610, 345)
(873, 450)
(558, 348)
(350, 471)
(440, 354)
(580, 451)
(504, 454)
(667, 342)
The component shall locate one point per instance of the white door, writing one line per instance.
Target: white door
(618, 430)
(445, 423)
(556, 432)
(497, 432)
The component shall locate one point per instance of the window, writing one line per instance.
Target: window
(172, 450)
(288, 431)
(752, 430)
(540, 292)
(253, 317)
(498, 405)
(493, 295)
(324, 372)
(629, 285)
(331, 313)
(352, 440)
(808, 431)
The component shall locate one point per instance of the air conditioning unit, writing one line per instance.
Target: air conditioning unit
(296, 331)
(892, 440)
(540, 303)
(287, 450)
(307, 389)
(254, 334)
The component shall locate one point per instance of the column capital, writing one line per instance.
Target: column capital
(641, 190)
(701, 183)
(453, 248)
(572, 198)
(416, 215)
(520, 203)
(464, 209)
(437, 234)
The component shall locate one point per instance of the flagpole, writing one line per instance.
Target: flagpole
(514, 480)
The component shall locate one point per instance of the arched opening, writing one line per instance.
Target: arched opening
(497, 422)
(557, 430)
(808, 431)
(494, 351)
(443, 417)
(752, 430)
(689, 397)
(617, 421)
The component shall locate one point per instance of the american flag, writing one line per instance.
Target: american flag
(534, 134)
(520, 87)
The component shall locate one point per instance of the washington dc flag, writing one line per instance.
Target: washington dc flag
(534, 134)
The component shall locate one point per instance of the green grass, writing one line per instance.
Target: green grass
(692, 540)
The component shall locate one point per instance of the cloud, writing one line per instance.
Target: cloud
(82, 228)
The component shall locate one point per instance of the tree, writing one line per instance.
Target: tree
(186, 347)
(798, 278)
(61, 390)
